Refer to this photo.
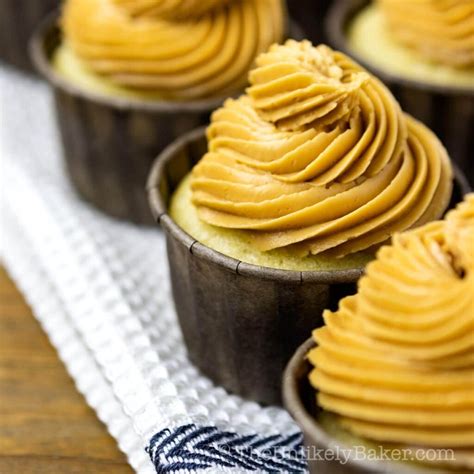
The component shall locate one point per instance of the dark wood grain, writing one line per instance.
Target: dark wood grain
(45, 424)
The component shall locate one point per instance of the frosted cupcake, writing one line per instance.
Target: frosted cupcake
(300, 180)
(177, 51)
(429, 41)
(393, 366)
(423, 50)
(131, 76)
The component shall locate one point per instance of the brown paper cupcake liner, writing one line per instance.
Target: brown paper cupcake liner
(448, 111)
(310, 14)
(326, 454)
(18, 20)
(241, 322)
(110, 143)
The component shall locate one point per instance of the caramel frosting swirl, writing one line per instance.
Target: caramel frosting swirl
(396, 361)
(180, 49)
(440, 30)
(318, 156)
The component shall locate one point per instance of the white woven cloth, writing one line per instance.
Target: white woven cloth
(100, 290)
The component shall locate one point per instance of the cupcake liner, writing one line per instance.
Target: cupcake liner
(326, 454)
(310, 14)
(18, 20)
(109, 143)
(240, 322)
(448, 111)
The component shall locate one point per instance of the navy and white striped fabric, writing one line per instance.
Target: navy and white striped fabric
(190, 448)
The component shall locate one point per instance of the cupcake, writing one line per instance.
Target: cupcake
(424, 51)
(393, 367)
(304, 176)
(18, 19)
(310, 14)
(131, 76)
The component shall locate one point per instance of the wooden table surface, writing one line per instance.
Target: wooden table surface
(45, 424)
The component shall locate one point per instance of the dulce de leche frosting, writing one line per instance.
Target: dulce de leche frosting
(318, 157)
(440, 30)
(181, 49)
(396, 361)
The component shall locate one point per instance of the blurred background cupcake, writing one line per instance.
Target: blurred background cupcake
(131, 76)
(18, 20)
(311, 15)
(424, 51)
(393, 366)
(300, 180)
